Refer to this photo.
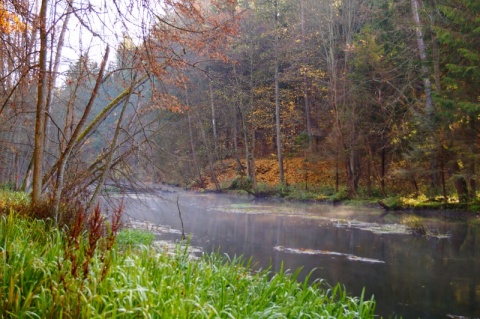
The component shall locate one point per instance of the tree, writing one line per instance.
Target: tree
(40, 119)
(277, 95)
(101, 116)
(458, 32)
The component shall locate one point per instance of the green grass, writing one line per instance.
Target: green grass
(46, 274)
(14, 200)
(135, 237)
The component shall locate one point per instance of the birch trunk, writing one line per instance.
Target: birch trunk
(427, 86)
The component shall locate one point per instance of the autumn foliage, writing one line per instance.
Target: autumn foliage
(298, 171)
(9, 21)
(188, 35)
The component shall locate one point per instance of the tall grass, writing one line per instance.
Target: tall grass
(43, 274)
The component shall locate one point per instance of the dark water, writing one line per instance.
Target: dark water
(410, 276)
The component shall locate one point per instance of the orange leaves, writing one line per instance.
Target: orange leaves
(296, 169)
(9, 22)
(168, 102)
(190, 31)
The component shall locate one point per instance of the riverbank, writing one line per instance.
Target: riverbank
(314, 182)
(85, 272)
(144, 282)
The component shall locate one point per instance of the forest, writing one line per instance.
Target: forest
(378, 97)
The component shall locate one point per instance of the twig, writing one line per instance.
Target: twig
(180, 216)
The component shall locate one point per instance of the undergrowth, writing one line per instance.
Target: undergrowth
(80, 273)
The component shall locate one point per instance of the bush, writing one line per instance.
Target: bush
(339, 196)
(17, 201)
(241, 183)
(299, 193)
(7, 186)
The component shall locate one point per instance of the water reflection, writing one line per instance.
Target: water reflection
(418, 277)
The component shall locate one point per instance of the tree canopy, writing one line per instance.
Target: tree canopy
(382, 95)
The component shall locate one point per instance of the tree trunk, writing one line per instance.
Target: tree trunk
(305, 76)
(212, 107)
(462, 188)
(113, 145)
(472, 159)
(251, 100)
(460, 183)
(235, 145)
(54, 72)
(253, 165)
(423, 58)
(65, 155)
(192, 143)
(40, 112)
(209, 154)
(277, 100)
(369, 178)
(442, 171)
(382, 177)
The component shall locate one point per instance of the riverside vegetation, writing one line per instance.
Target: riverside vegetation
(316, 184)
(95, 269)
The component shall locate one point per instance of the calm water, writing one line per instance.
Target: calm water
(412, 276)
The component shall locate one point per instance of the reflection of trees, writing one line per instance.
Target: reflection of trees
(423, 276)
(466, 284)
(471, 242)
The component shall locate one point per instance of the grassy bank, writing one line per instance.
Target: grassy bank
(48, 273)
(298, 192)
(315, 181)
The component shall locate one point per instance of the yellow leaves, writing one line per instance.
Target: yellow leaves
(460, 164)
(312, 72)
(10, 22)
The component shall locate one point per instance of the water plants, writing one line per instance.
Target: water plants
(415, 224)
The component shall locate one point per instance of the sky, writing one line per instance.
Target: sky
(108, 27)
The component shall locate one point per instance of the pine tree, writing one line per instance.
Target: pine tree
(459, 34)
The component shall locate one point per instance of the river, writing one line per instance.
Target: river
(433, 276)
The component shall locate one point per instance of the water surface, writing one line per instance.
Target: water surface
(436, 276)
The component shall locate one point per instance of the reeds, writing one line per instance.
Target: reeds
(47, 273)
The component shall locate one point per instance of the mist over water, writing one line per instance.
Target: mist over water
(434, 276)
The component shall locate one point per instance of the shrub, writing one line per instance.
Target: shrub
(241, 183)
(341, 195)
